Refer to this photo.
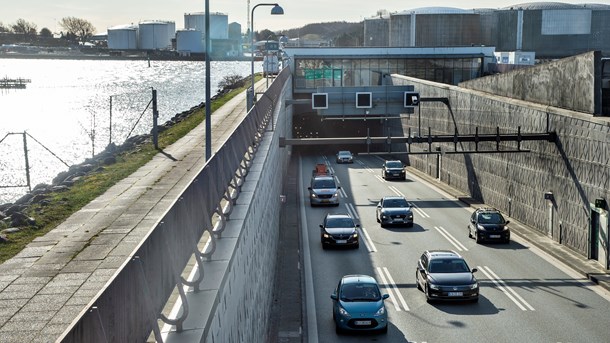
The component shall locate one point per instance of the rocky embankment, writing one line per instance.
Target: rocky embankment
(14, 216)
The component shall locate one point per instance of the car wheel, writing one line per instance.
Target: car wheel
(357, 246)
(382, 225)
(475, 300)
(417, 281)
(410, 224)
(384, 330)
(428, 300)
(507, 241)
(324, 246)
(469, 233)
(477, 238)
(338, 330)
(379, 221)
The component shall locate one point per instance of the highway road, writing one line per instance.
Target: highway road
(525, 295)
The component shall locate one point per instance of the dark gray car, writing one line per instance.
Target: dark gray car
(394, 210)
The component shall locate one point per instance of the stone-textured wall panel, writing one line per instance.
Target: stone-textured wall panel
(575, 168)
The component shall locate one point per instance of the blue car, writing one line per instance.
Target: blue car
(358, 305)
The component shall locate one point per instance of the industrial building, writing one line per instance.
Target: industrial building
(550, 30)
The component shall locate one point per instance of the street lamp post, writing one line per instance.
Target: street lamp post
(276, 10)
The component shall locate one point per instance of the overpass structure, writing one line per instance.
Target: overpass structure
(107, 273)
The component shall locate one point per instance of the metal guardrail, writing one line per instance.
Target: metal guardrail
(127, 309)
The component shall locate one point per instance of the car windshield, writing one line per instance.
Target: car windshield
(323, 183)
(448, 266)
(491, 218)
(344, 153)
(360, 292)
(339, 222)
(395, 203)
(393, 164)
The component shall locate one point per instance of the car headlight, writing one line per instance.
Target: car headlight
(474, 285)
(343, 312)
(381, 311)
(480, 227)
(336, 194)
(313, 195)
(433, 286)
(410, 216)
(326, 235)
(355, 235)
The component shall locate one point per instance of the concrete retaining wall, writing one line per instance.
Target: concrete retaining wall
(568, 83)
(575, 168)
(244, 298)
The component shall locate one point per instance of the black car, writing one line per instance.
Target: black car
(488, 224)
(394, 210)
(339, 230)
(393, 170)
(444, 275)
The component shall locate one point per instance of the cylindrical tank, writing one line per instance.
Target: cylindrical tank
(435, 26)
(156, 35)
(376, 31)
(219, 24)
(189, 41)
(124, 37)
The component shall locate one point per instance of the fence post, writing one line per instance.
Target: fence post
(155, 132)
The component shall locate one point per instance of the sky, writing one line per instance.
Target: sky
(297, 13)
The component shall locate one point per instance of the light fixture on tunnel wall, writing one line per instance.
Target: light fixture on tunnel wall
(364, 100)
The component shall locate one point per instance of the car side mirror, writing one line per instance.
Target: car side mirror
(338, 187)
(357, 225)
(385, 296)
(333, 296)
(309, 188)
(378, 205)
(506, 223)
(321, 226)
(474, 270)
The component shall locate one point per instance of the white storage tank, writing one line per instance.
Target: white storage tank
(189, 41)
(156, 34)
(123, 37)
(219, 24)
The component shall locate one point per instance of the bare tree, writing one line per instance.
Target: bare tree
(80, 28)
(24, 27)
(4, 28)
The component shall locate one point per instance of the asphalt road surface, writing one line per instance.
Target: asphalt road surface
(525, 295)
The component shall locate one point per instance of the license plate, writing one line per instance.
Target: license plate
(494, 236)
(456, 294)
(362, 322)
(325, 200)
(341, 241)
(398, 220)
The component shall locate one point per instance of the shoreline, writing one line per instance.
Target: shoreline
(117, 58)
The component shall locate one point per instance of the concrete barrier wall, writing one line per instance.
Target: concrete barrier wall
(245, 293)
(567, 83)
(574, 168)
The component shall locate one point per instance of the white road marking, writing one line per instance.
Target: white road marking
(396, 191)
(389, 289)
(352, 211)
(459, 246)
(395, 287)
(510, 293)
(367, 240)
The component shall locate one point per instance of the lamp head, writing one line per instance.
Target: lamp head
(277, 10)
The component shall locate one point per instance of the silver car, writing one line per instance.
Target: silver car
(323, 191)
(345, 156)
